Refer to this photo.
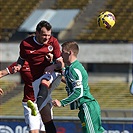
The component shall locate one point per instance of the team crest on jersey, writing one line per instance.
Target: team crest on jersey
(50, 48)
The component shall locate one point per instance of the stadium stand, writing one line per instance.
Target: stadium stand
(12, 14)
(121, 32)
(113, 97)
(7, 86)
(85, 22)
(70, 4)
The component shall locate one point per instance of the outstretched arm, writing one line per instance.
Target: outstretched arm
(8, 70)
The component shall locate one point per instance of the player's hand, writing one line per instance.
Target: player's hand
(1, 92)
(56, 103)
(16, 68)
(49, 57)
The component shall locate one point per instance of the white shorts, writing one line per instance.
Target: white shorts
(54, 78)
(32, 122)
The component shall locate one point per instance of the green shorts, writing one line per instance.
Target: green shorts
(90, 117)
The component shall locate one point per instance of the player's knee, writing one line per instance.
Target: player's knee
(45, 83)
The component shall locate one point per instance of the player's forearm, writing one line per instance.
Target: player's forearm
(57, 66)
(72, 97)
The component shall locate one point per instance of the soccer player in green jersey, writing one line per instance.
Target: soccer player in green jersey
(76, 79)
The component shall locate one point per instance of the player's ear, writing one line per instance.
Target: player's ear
(70, 52)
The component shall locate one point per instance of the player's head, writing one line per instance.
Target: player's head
(43, 32)
(70, 51)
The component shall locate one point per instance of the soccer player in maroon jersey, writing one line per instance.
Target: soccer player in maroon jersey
(34, 51)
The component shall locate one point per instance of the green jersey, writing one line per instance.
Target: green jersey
(77, 85)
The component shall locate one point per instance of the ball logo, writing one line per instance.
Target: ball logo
(106, 20)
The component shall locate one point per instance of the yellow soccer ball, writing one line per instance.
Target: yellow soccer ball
(106, 20)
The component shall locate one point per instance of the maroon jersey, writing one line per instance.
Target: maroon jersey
(27, 78)
(35, 54)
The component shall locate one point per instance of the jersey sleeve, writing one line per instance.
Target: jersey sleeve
(77, 88)
(9, 68)
(22, 51)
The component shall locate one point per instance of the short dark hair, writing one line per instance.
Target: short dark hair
(45, 24)
(71, 45)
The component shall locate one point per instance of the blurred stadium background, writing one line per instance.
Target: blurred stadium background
(106, 54)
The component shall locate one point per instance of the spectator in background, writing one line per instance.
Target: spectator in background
(78, 89)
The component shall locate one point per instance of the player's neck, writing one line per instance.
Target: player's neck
(72, 60)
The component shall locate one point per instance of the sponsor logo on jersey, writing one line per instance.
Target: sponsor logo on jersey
(27, 68)
(32, 51)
